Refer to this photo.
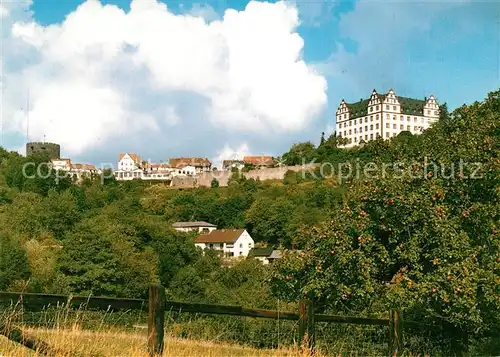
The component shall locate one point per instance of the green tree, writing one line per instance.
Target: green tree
(13, 262)
(426, 242)
(299, 153)
(99, 258)
(214, 183)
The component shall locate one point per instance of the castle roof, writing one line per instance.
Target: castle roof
(409, 106)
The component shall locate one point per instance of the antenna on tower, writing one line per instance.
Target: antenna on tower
(28, 117)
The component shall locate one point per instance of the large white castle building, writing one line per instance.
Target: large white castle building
(385, 116)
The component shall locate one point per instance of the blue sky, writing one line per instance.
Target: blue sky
(448, 48)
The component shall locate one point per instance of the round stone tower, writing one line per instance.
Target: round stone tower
(53, 150)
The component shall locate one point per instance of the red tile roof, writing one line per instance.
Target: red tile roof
(159, 166)
(88, 167)
(134, 157)
(179, 162)
(258, 160)
(220, 236)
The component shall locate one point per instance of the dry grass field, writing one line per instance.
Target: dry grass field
(80, 343)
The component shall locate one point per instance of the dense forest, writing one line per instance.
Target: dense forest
(424, 236)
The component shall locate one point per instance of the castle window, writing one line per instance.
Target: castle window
(376, 108)
(386, 135)
(366, 137)
(361, 129)
(366, 120)
(387, 116)
(401, 127)
(428, 112)
(435, 112)
(402, 117)
(415, 128)
(376, 126)
(387, 107)
(414, 120)
(393, 107)
(354, 122)
(355, 131)
(408, 128)
(376, 117)
(366, 128)
(394, 126)
(387, 125)
(371, 127)
(350, 131)
(371, 136)
(371, 109)
(355, 140)
(350, 123)
(371, 117)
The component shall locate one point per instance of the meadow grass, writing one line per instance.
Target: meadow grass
(76, 342)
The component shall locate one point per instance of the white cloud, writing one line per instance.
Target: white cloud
(3, 11)
(104, 74)
(227, 153)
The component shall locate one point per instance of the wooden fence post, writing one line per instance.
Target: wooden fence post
(156, 319)
(395, 333)
(306, 324)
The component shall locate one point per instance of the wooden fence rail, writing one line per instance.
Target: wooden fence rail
(157, 305)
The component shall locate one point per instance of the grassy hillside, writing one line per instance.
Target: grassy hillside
(81, 343)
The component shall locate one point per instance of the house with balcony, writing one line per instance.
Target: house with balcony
(129, 167)
(231, 243)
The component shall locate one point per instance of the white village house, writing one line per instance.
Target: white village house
(200, 227)
(129, 167)
(230, 242)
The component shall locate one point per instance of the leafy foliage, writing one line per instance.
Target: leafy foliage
(424, 239)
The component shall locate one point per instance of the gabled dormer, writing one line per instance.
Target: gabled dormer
(391, 103)
(431, 107)
(342, 111)
(374, 103)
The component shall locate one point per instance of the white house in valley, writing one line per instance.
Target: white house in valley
(385, 116)
(200, 227)
(230, 242)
